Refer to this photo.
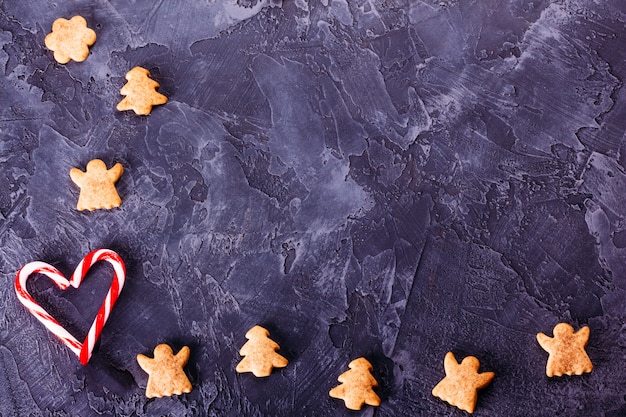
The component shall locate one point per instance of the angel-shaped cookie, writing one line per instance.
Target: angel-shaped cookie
(462, 382)
(567, 350)
(70, 39)
(97, 185)
(165, 371)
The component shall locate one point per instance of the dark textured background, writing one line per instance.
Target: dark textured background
(393, 179)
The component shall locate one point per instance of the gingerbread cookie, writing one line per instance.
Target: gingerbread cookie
(356, 385)
(140, 92)
(567, 350)
(97, 185)
(462, 382)
(259, 353)
(70, 39)
(165, 372)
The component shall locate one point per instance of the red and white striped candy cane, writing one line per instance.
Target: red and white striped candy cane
(82, 350)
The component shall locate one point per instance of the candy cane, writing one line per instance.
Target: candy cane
(82, 350)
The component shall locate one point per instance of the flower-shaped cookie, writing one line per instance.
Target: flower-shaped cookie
(70, 39)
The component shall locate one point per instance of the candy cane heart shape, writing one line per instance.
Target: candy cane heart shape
(82, 350)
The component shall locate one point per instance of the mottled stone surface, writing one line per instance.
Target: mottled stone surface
(388, 179)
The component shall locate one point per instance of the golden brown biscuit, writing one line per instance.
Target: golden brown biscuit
(140, 92)
(567, 350)
(356, 386)
(165, 372)
(259, 353)
(97, 185)
(462, 382)
(70, 39)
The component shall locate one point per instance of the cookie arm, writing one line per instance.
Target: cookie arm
(77, 176)
(544, 341)
(145, 362)
(115, 172)
(583, 334)
(449, 363)
(183, 355)
(484, 379)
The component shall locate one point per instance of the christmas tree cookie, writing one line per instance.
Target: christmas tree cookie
(260, 353)
(140, 92)
(356, 385)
